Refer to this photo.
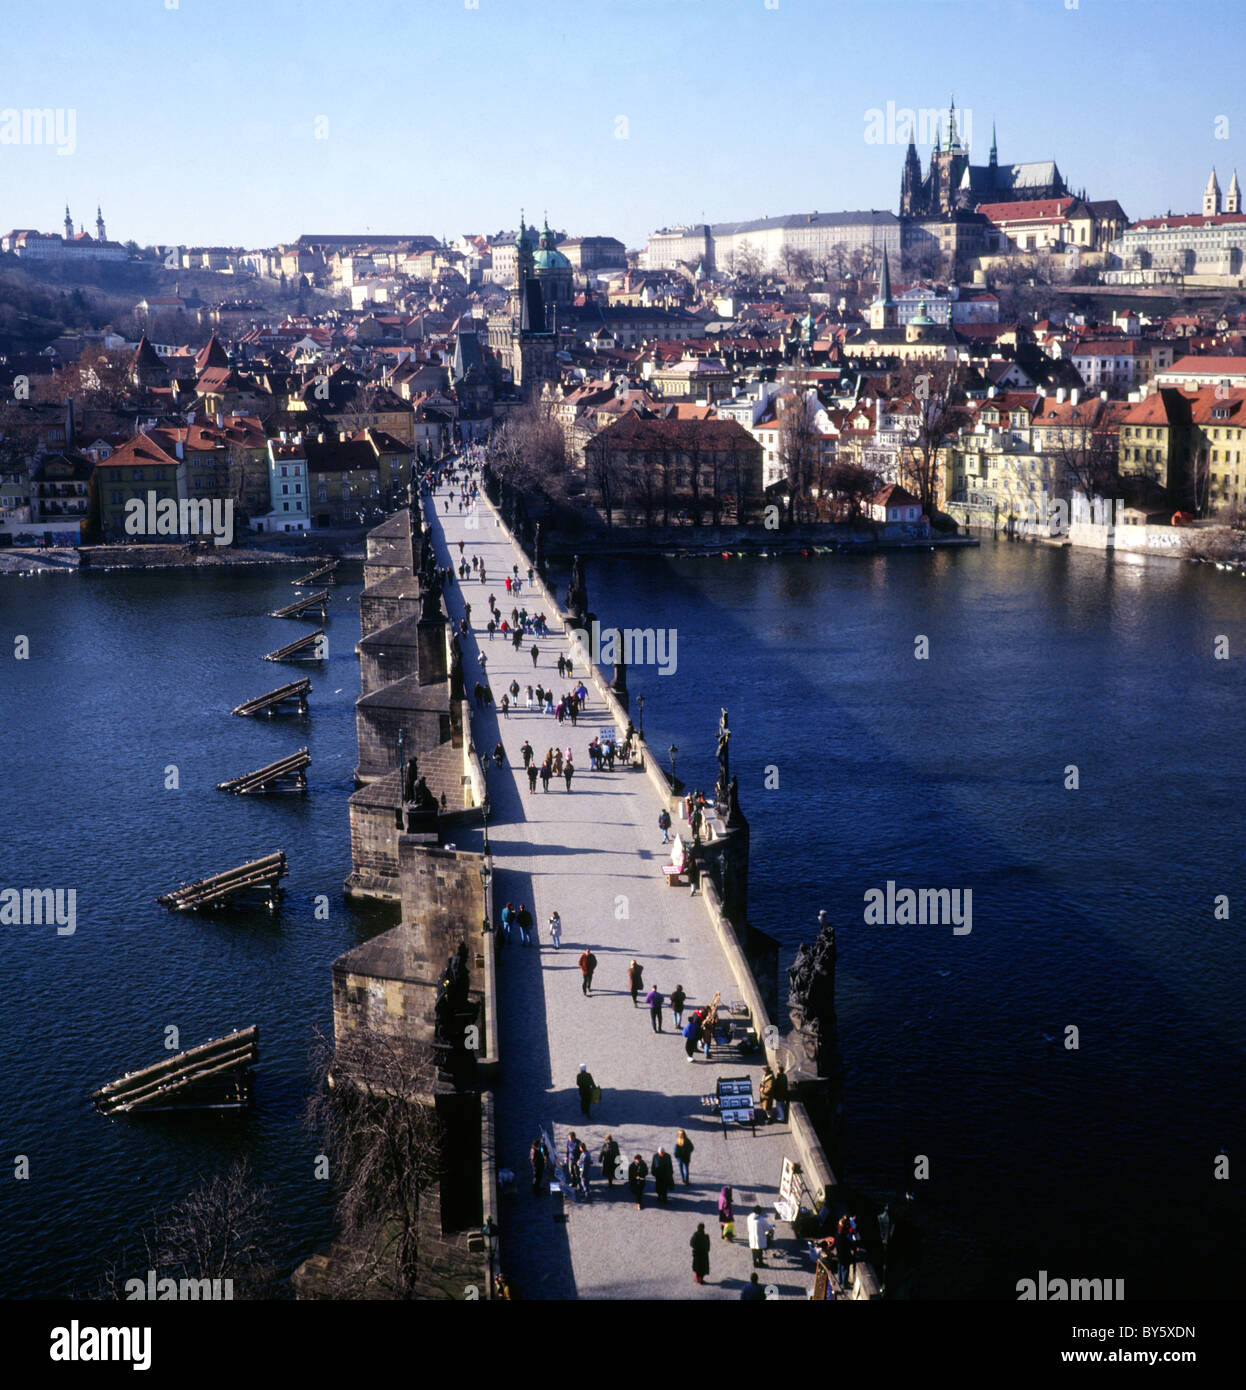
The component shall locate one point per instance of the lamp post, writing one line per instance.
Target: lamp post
(673, 753)
(486, 865)
(486, 874)
(489, 1234)
(640, 705)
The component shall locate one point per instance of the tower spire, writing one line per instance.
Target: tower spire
(994, 151)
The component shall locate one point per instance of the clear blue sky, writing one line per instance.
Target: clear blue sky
(198, 123)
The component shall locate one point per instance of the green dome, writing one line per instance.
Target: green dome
(923, 320)
(550, 260)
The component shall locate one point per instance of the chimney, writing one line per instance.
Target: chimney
(190, 417)
(220, 420)
(179, 449)
(1075, 395)
(284, 437)
(1103, 395)
(1060, 396)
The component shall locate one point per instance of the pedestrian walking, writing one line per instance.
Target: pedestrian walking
(700, 1243)
(753, 1292)
(609, 1160)
(663, 1174)
(537, 1156)
(635, 980)
(529, 699)
(506, 706)
(506, 923)
(759, 1230)
(526, 753)
(698, 819)
(558, 762)
(532, 777)
(517, 639)
(525, 924)
(491, 629)
(484, 663)
(555, 930)
(637, 1172)
(588, 963)
(664, 825)
(534, 653)
(726, 1214)
(694, 875)
(654, 1000)
(677, 1006)
(568, 771)
(562, 666)
(546, 773)
(586, 1086)
(683, 1153)
(690, 1031)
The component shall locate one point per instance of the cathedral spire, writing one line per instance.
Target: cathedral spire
(994, 151)
(953, 141)
(69, 225)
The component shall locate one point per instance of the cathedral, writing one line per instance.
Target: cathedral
(524, 339)
(952, 184)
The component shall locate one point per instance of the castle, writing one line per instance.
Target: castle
(953, 184)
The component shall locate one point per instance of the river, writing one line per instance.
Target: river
(858, 764)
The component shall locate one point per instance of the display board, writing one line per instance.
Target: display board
(735, 1101)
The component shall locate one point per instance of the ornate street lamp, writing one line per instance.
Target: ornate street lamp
(673, 753)
(640, 705)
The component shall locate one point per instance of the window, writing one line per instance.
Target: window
(285, 507)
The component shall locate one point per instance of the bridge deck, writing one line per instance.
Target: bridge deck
(595, 855)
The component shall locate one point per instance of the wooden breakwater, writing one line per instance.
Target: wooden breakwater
(216, 1075)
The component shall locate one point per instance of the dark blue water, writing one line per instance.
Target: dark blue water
(128, 675)
(1092, 908)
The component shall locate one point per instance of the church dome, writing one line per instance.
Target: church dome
(547, 260)
(549, 257)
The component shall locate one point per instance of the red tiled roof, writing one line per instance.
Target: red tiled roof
(1039, 209)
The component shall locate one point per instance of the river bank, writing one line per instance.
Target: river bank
(71, 559)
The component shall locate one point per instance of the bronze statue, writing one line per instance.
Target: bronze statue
(722, 790)
(577, 590)
(811, 997)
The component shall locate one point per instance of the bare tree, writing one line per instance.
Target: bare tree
(529, 452)
(799, 450)
(749, 263)
(797, 263)
(938, 399)
(1087, 458)
(607, 478)
(851, 484)
(384, 1141)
